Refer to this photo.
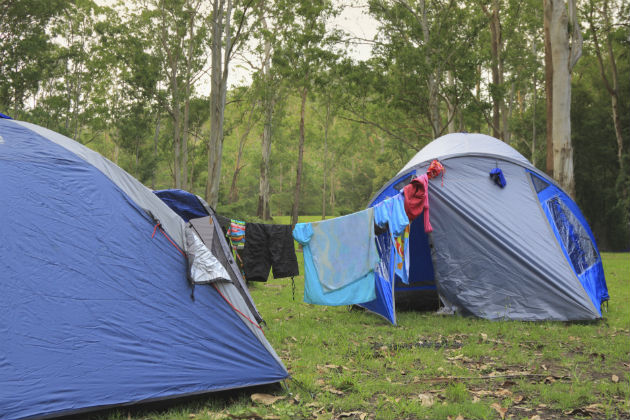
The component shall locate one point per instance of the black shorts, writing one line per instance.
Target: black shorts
(268, 247)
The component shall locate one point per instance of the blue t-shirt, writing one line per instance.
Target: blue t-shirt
(351, 290)
(392, 212)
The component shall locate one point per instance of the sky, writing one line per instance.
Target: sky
(353, 20)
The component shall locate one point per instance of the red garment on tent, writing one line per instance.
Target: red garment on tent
(417, 200)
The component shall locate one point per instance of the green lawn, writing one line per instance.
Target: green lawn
(353, 364)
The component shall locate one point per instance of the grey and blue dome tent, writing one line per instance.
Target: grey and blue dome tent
(95, 289)
(522, 250)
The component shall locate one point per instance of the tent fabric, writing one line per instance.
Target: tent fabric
(98, 310)
(141, 195)
(187, 205)
(203, 265)
(193, 209)
(383, 304)
(211, 234)
(146, 199)
(499, 253)
(464, 144)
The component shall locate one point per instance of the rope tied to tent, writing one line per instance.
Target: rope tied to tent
(158, 225)
(234, 307)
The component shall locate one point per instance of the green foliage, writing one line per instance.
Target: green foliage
(113, 78)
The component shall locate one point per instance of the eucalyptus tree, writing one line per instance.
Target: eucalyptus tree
(420, 64)
(306, 47)
(268, 90)
(229, 22)
(599, 15)
(83, 71)
(26, 49)
(179, 30)
(134, 97)
(564, 41)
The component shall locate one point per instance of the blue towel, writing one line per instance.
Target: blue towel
(339, 259)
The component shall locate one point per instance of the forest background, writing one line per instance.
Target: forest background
(312, 129)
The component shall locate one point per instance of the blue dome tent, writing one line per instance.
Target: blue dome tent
(515, 249)
(95, 287)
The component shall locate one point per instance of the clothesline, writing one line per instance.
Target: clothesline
(341, 256)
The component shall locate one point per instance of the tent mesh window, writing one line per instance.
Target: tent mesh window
(403, 182)
(576, 241)
(539, 184)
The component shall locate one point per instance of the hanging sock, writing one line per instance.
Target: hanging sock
(497, 176)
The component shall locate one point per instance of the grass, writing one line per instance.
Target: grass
(353, 364)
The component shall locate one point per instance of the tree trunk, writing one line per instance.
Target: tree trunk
(612, 86)
(325, 159)
(155, 148)
(564, 55)
(533, 158)
(498, 105)
(450, 105)
(506, 114)
(189, 53)
(298, 179)
(233, 196)
(218, 89)
(264, 211)
(176, 137)
(547, 4)
(332, 192)
(432, 79)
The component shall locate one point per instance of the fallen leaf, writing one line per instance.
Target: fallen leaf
(615, 378)
(499, 409)
(535, 417)
(363, 416)
(333, 390)
(483, 392)
(542, 405)
(550, 380)
(517, 399)
(544, 367)
(475, 399)
(426, 400)
(266, 398)
(504, 392)
(349, 414)
(594, 408)
(459, 417)
(192, 416)
(484, 337)
(576, 412)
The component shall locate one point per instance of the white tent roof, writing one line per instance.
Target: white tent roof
(462, 144)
